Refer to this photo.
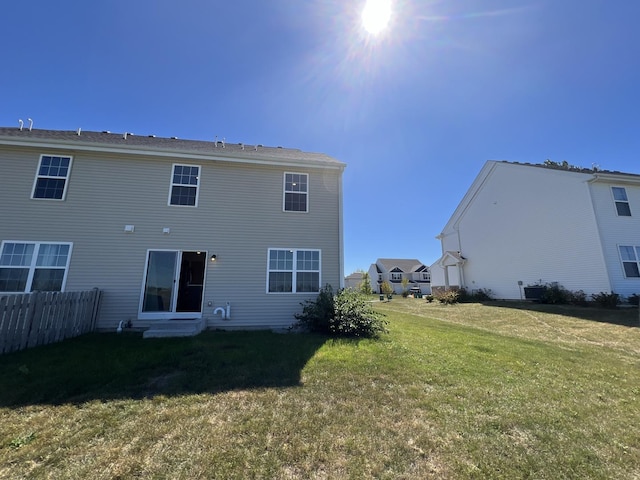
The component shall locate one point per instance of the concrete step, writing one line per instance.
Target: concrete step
(174, 328)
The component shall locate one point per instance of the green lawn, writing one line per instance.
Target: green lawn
(461, 391)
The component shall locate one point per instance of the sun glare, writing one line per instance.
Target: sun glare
(376, 15)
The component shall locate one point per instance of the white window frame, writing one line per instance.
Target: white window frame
(636, 251)
(617, 201)
(295, 192)
(294, 270)
(33, 264)
(426, 277)
(396, 276)
(173, 184)
(52, 177)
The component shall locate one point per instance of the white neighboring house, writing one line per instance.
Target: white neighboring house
(394, 270)
(522, 224)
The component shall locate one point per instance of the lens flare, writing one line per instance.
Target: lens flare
(376, 15)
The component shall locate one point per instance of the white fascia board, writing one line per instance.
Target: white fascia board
(468, 197)
(615, 178)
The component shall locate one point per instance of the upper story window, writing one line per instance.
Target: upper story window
(291, 271)
(396, 276)
(33, 266)
(630, 256)
(52, 177)
(426, 277)
(185, 181)
(621, 201)
(296, 192)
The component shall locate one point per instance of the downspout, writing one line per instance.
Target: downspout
(341, 228)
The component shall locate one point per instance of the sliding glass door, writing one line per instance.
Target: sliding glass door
(173, 284)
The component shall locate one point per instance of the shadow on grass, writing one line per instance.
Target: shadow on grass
(111, 366)
(624, 316)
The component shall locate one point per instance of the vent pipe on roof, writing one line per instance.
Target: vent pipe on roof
(242, 146)
(215, 143)
(256, 148)
(222, 142)
(125, 135)
(30, 123)
(79, 130)
(21, 123)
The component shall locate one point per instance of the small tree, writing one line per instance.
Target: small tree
(386, 287)
(365, 285)
(405, 284)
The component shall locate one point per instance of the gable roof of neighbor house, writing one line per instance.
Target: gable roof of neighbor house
(354, 276)
(160, 146)
(589, 174)
(405, 265)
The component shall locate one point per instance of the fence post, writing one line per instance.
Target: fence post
(96, 297)
(34, 319)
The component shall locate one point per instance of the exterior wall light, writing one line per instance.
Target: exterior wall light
(213, 258)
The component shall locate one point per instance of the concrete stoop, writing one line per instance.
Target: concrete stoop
(174, 328)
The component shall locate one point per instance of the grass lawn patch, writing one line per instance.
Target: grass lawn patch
(459, 391)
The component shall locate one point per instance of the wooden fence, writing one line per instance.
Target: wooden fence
(31, 319)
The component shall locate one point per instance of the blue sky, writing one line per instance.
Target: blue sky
(414, 112)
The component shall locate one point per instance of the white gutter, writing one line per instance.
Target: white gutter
(259, 160)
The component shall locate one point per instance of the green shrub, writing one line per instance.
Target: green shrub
(346, 313)
(448, 298)
(578, 298)
(429, 298)
(555, 294)
(354, 317)
(316, 315)
(634, 299)
(476, 296)
(606, 300)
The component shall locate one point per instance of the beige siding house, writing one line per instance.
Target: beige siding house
(228, 236)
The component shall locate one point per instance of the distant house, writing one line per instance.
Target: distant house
(523, 224)
(353, 280)
(394, 270)
(230, 236)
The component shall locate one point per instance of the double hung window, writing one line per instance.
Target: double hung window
(33, 266)
(52, 177)
(630, 256)
(621, 201)
(296, 192)
(185, 181)
(293, 271)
